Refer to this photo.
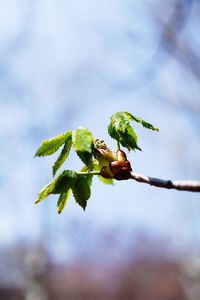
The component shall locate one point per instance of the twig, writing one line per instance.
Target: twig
(181, 185)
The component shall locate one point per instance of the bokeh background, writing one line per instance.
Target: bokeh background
(65, 64)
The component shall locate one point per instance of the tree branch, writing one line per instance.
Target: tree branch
(181, 185)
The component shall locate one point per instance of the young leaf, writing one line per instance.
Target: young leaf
(121, 130)
(128, 139)
(81, 189)
(143, 122)
(60, 184)
(62, 200)
(82, 141)
(50, 146)
(63, 155)
(102, 153)
(106, 180)
(86, 169)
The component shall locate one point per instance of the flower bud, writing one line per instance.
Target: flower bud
(102, 153)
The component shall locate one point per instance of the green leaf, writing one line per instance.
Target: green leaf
(50, 146)
(82, 141)
(60, 184)
(62, 200)
(86, 169)
(121, 130)
(143, 122)
(106, 180)
(128, 138)
(81, 189)
(63, 155)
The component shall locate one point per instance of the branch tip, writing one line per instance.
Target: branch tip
(181, 185)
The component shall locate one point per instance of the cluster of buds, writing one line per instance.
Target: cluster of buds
(120, 168)
(112, 165)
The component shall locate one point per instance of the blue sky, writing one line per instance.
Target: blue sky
(63, 65)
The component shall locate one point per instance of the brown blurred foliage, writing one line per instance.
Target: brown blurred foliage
(142, 271)
(140, 280)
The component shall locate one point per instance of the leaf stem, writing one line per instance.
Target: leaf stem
(118, 145)
(89, 173)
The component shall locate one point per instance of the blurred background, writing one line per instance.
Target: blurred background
(65, 64)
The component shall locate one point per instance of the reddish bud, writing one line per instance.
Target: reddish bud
(121, 176)
(121, 155)
(105, 173)
(127, 164)
(115, 166)
(125, 170)
(126, 176)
